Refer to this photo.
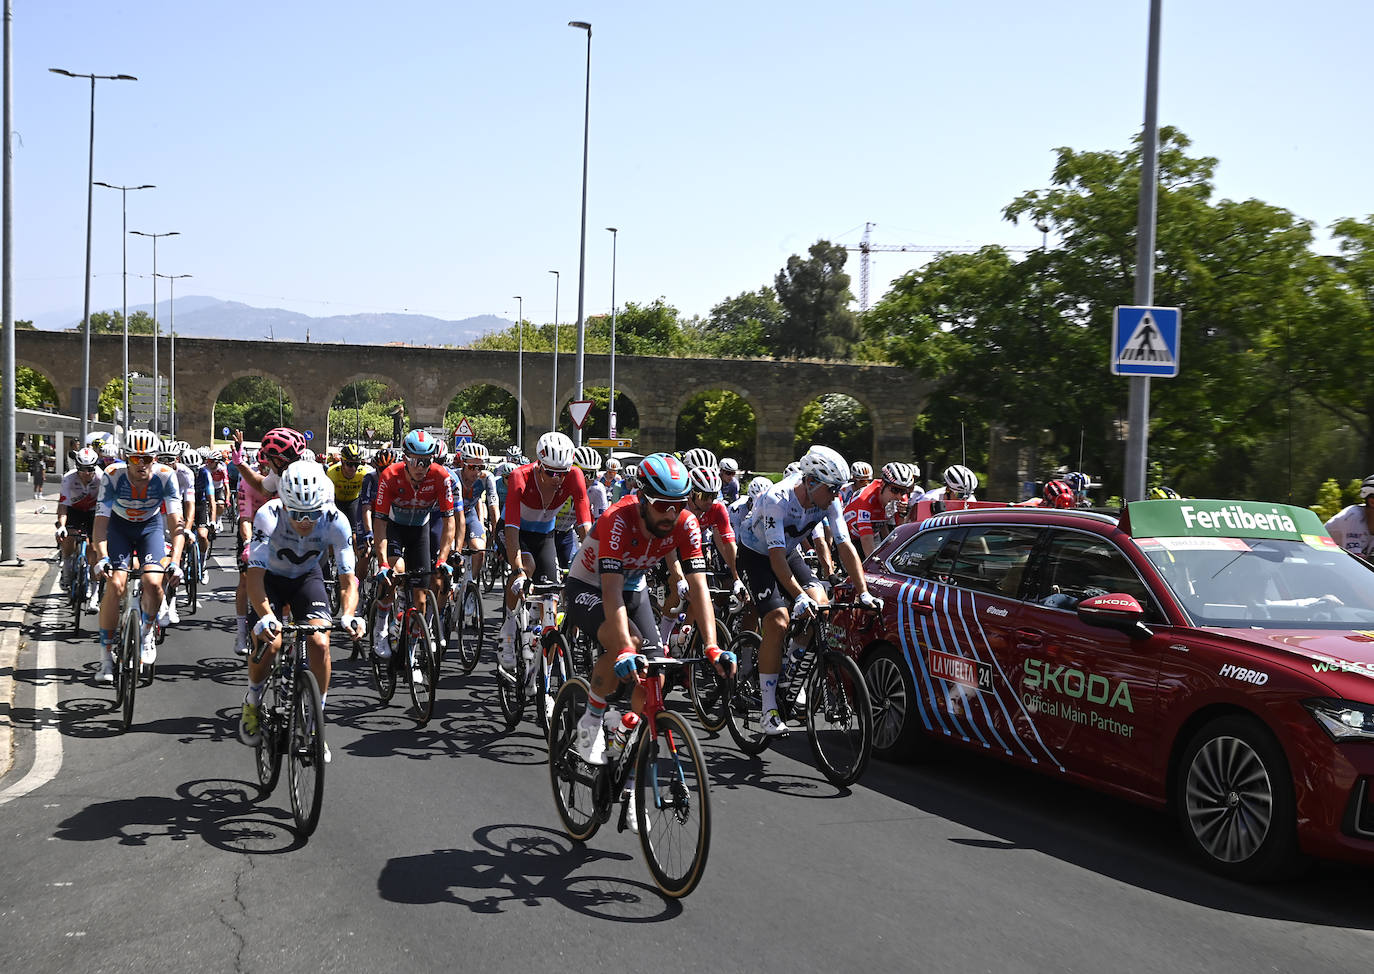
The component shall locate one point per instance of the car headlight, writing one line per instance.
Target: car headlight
(1344, 720)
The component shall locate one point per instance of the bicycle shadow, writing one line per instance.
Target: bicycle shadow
(731, 768)
(223, 813)
(523, 865)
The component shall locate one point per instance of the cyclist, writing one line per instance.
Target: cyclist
(409, 495)
(607, 593)
(290, 535)
(959, 484)
(703, 503)
(128, 523)
(862, 472)
(1353, 528)
(882, 503)
(771, 560)
(204, 490)
(615, 484)
(170, 455)
(1162, 493)
(565, 541)
(1059, 495)
(367, 495)
(534, 494)
(76, 500)
(729, 480)
(479, 500)
(1080, 483)
(259, 477)
(347, 477)
(598, 490)
(740, 509)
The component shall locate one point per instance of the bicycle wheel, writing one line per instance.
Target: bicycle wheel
(127, 665)
(267, 753)
(672, 805)
(709, 690)
(76, 595)
(471, 628)
(744, 715)
(418, 654)
(306, 752)
(839, 718)
(367, 598)
(449, 626)
(574, 781)
(510, 690)
(553, 673)
(190, 568)
(383, 673)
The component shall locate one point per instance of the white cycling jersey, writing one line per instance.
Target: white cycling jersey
(1350, 530)
(779, 520)
(281, 550)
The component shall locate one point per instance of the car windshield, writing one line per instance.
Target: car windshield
(1265, 583)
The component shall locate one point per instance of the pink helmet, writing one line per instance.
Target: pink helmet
(282, 443)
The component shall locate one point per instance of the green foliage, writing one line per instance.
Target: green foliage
(836, 421)
(252, 404)
(112, 323)
(33, 391)
(740, 327)
(1330, 501)
(111, 400)
(813, 293)
(24, 326)
(351, 425)
(720, 421)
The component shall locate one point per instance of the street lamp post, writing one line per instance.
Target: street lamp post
(90, 202)
(124, 246)
(172, 331)
(156, 377)
(553, 419)
(582, 252)
(610, 405)
(520, 373)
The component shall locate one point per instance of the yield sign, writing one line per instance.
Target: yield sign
(464, 428)
(578, 410)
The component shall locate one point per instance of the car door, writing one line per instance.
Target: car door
(1088, 693)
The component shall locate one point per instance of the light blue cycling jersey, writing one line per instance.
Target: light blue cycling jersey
(281, 550)
(121, 497)
(779, 520)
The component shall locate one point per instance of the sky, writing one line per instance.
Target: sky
(344, 157)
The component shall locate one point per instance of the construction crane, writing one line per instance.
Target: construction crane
(865, 248)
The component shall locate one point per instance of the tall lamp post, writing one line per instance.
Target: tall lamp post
(520, 373)
(610, 405)
(156, 377)
(172, 331)
(90, 201)
(582, 252)
(553, 419)
(124, 246)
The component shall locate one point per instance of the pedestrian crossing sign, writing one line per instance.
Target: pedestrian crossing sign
(1145, 342)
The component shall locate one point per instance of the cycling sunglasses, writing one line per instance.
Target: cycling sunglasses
(555, 474)
(140, 458)
(305, 515)
(413, 458)
(665, 506)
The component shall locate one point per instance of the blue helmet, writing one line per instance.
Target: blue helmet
(420, 443)
(665, 476)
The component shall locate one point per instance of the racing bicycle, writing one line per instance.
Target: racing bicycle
(292, 727)
(78, 581)
(534, 673)
(413, 650)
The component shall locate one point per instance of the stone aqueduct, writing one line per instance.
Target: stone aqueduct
(312, 374)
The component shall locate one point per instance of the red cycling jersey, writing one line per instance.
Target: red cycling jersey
(531, 509)
(402, 501)
(619, 543)
(866, 509)
(717, 519)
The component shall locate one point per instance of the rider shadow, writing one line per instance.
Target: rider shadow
(523, 865)
(221, 812)
(729, 768)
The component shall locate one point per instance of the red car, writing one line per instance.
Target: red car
(1211, 657)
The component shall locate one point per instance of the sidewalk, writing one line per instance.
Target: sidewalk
(34, 545)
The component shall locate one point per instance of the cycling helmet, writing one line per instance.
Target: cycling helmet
(303, 486)
(631, 472)
(86, 458)
(504, 469)
(826, 465)
(758, 485)
(699, 457)
(351, 454)
(441, 452)
(901, 475)
(612, 464)
(191, 457)
(383, 458)
(587, 458)
(1162, 493)
(706, 479)
(513, 453)
(960, 480)
(108, 450)
(142, 442)
(555, 451)
(1078, 481)
(420, 444)
(474, 452)
(664, 476)
(308, 455)
(282, 443)
(862, 470)
(168, 453)
(1367, 488)
(208, 453)
(728, 465)
(791, 468)
(1059, 494)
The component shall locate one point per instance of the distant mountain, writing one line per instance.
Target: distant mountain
(198, 316)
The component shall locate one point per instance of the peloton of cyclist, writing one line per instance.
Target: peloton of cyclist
(881, 504)
(712, 516)
(959, 484)
(258, 482)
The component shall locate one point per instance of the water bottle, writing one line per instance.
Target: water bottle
(791, 658)
(615, 743)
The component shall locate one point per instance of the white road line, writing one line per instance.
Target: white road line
(47, 744)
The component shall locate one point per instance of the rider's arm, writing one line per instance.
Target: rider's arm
(450, 537)
(379, 540)
(613, 600)
(853, 566)
(99, 532)
(255, 580)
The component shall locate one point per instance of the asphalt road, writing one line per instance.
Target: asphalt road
(440, 848)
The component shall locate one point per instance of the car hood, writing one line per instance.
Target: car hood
(1329, 652)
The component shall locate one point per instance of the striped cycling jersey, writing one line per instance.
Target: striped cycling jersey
(121, 497)
(779, 520)
(280, 549)
(78, 496)
(533, 509)
(402, 501)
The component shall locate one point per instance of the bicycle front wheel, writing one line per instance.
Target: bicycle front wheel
(744, 715)
(267, 753)
(306, 751)
(553, 673)
(672, 805)
(470, 629)
(839, 718)
(574, 781)
(190, 568)
(127, 668)
(421, 659)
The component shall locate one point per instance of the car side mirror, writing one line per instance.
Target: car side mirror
(1117, 611)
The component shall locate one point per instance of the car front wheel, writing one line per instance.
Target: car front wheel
(892, 690)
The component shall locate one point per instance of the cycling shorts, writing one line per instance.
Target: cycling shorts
(124, 539)
(306, 596)
(350, 511)
(584, 606)
(409, 541)
(541, 547)
(474, 523)
(757, 572)
(83, 521)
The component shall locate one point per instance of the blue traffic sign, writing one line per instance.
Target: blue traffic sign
(309, 435)
(225, 431)
(1145, 341)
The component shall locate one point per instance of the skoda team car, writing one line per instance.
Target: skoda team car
(1212, 657)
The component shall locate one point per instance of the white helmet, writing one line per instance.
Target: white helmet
(1366, 488)
(705, 479)
(826, 465)
(699, 457)
(504, 469)
(632, 471)
(960, 480)
(191, 457)
(791, 468)
(758, 485)
(900, 474)
(587, 458)
(862, 470)
(302, 486)
(142, 441)
(308, 455)
(612, 464)
(441, 453)
(474, 452)
(108, 449)
(555, 451)
(86, 457)
(728, 465)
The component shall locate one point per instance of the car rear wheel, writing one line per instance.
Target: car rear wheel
(1234, 796)
(896, 725)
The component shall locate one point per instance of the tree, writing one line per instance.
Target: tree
(813, 294)
(740, 327)
(112, 323)
(837, 421)
(720, 421)
(24, 326)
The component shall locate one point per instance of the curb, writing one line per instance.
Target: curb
(13, 639)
